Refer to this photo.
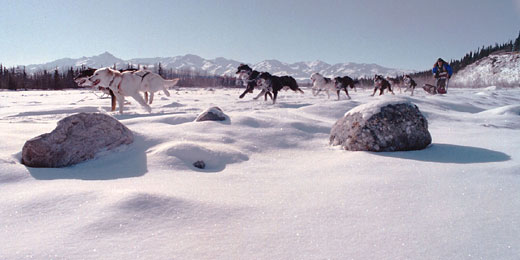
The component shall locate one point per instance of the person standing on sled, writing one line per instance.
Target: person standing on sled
(442, 73)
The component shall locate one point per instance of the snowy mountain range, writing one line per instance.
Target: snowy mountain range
(223, 66)
(501, 69)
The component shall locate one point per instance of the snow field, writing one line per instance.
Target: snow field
(273, 187)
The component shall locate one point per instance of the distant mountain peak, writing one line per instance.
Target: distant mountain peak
(222, 66)
(106, 54)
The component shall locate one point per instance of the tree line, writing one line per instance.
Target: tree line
(17, 77)
(473, 56)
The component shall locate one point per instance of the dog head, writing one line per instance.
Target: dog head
(244, 68)
(378, 79)
(244, 71)
(316, 76)
(103, 77)
(82, 78)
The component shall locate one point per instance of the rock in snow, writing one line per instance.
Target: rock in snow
(212, 114)
(199, 164)
(382, 126)
(76, 138)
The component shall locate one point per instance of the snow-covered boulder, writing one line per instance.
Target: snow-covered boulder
(382, 126)
(77, 138)
(212, 114)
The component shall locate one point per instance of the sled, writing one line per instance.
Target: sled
(430, 89)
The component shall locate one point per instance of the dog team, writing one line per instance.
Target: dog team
(122, 83)
(269, 83)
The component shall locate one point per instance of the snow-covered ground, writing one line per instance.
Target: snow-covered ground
(273, 187)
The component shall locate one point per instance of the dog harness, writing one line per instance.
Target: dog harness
(118, 85)
(142, 77)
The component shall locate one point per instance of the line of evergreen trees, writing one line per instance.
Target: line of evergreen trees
(17, 78)
(473, 56)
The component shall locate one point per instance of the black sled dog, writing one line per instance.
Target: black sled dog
(270, 83)
(381, 84)
(250, 76)
(343, 83)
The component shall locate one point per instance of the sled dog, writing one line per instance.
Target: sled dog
(270, 83)
(381, 84)
(344, 83)
(320, 83)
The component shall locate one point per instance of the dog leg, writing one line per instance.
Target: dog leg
(373, 93)
(146, 97)
(121, 100)
(337, 92)
(151, 98)
(141, 101)
(166, 92)
(248, 90)
(346, 92)
(270, 95)
(260, 94)
(113, 100)
(275, 93)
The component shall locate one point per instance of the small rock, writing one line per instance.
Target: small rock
(199, 164)
(212, 114)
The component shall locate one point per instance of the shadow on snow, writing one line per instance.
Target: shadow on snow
(449, 153)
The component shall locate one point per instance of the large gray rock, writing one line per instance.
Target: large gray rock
(76, 138)
(382, 126)
(212, 114)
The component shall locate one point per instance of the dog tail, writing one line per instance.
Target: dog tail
(171, 82)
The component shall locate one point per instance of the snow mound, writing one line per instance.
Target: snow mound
(495, 70)
(215, 156)
(505, 110)
(143, 211)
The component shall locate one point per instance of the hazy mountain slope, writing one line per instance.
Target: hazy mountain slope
(497, 70)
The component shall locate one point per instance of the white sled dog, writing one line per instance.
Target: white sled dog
(320, 83)
(153, 82)
(130, 83)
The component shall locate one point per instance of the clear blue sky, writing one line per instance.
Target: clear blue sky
(408, 34)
